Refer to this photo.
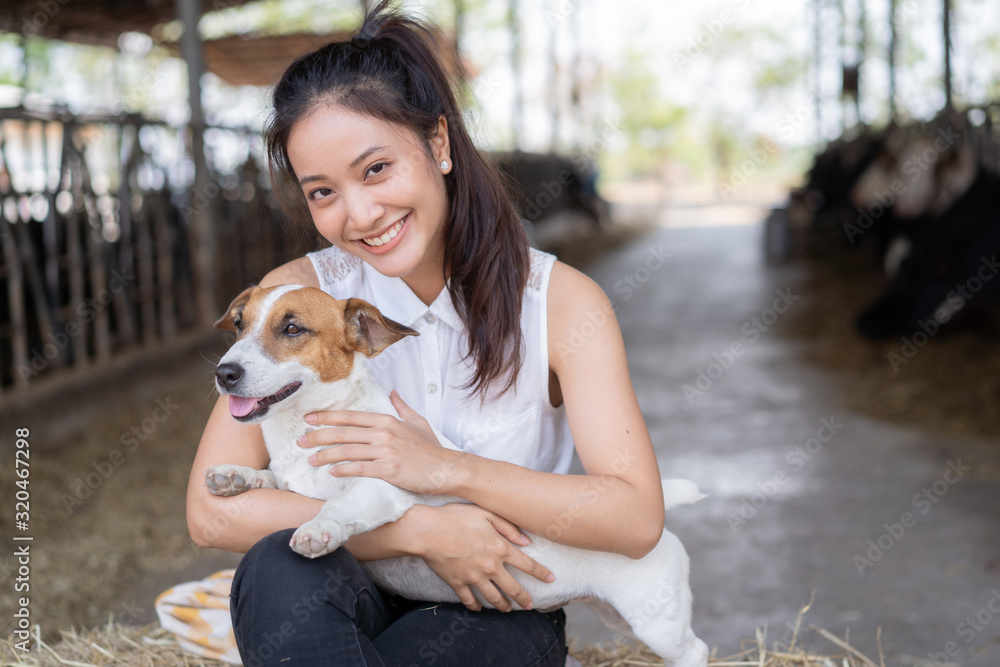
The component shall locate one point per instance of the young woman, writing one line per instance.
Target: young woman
(519, 359)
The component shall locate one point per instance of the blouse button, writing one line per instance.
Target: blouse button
(429, 318)
(431, 388)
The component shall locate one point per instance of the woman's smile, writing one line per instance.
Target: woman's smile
(377, 191)
(386, 239)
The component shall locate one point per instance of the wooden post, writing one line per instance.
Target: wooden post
(517, 119)
(818, 65)
(200, 220)
(892, 61)
(862, 50)
(576, 94)
(553, 96)
(76, 265)
(946, 26)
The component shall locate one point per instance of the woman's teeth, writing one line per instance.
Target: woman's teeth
(388, 236)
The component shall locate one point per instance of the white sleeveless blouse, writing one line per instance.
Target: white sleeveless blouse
(429, 370)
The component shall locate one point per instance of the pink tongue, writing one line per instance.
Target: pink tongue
(239, 406)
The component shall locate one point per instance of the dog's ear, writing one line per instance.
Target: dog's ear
(368, 331)
(226, 321)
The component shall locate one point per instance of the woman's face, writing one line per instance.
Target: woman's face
(372, 189)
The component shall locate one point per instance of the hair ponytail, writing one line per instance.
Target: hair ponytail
(389, 70)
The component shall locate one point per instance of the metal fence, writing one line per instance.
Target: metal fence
(97, 247)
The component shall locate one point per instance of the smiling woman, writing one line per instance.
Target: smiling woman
(367, 144)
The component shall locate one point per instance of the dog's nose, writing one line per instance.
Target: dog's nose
(228, 375)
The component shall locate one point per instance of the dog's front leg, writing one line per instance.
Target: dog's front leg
(364, 505)
(230, 480)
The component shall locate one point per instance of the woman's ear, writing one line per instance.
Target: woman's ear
(440, 147)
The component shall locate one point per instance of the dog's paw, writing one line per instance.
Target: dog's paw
(230, 480)
(317, 538)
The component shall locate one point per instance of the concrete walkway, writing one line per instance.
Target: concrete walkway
(890, 527)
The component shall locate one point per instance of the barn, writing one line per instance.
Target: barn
(789, 209)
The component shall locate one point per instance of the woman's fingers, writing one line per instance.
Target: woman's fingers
(530, 566)
(349, 418)
(491, 591)
(508, 530)
(338, 436)
(466, 596)
(512, 590)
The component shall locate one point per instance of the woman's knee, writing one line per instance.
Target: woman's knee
(277, 575)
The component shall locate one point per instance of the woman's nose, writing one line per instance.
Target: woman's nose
(363, 211)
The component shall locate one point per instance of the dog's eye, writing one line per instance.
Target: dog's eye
(292, 330)
(238, 323)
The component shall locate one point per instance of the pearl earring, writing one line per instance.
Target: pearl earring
(444, 165)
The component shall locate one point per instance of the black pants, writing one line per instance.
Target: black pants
(295, 611)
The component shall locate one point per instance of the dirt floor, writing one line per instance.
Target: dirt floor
(108, 505)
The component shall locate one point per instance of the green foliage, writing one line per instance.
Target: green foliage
(648, 121)
(11, 62)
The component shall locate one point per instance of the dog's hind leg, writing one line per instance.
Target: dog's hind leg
(610, 617)
(660, 617)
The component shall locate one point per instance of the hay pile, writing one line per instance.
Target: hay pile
(129, 646)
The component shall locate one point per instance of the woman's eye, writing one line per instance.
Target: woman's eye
(319, 193)
(377, 168)
(292, 330)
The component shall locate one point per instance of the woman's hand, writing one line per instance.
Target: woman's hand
(468, 547)
(403, 452)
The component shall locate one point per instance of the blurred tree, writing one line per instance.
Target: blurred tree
(648, 121)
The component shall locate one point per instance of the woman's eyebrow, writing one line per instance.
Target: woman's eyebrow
(368, 151)
(310, 179)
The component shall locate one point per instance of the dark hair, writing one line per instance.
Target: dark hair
(389, 71)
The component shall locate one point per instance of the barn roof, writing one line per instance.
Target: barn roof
(258, 60)
(253, 59)
(87, 21)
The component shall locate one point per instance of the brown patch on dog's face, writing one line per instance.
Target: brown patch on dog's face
(308, 326)
(233, 320)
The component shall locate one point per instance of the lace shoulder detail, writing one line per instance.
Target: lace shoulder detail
(541, 268)
(333, 265)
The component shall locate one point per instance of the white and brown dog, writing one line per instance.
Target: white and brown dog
(298, 351)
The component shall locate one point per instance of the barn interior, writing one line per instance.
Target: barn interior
(804, 283)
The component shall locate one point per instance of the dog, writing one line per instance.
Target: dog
(299, 350)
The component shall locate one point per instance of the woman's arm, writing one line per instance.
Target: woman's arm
(451, 539)
(617, 506)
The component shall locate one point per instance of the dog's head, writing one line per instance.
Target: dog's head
(292, 338)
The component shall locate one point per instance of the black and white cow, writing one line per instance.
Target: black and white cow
(944, 250)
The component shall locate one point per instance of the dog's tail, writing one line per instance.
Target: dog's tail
(680, 492)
